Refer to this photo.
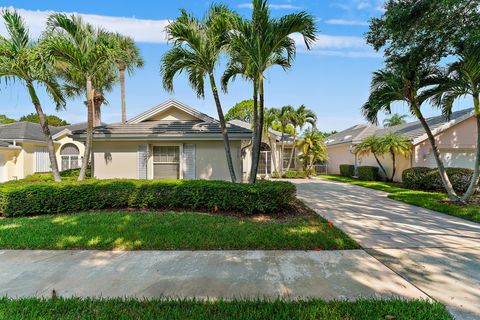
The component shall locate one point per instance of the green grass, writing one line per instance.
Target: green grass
(169, 231)
(103, 309)
(429, 200)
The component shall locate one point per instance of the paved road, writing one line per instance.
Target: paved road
(437, 253)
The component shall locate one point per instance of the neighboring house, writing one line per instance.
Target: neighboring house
(23, 150)
(271, 157)
(456, 139)
(169, 141)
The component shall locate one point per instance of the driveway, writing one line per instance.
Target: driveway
(437, 253)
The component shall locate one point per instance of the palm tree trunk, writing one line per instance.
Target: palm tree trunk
(221, 117)
(255, 152)
(261, 116)
(274, 157)
(380, 165)
(282, 148)
(441, 168)
(293, 148)
(394, 165)
(476, 170)
(122, 89)
(89, 138)
(46, 132)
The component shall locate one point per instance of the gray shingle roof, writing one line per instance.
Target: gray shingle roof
(24, 130)
(412, 130)
(247, 125)
(5, 144)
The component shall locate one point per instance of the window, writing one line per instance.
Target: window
(70, 156)
(265, 160)
(166, 162)
(286, 157)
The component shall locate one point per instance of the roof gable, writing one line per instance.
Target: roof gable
(171, 110)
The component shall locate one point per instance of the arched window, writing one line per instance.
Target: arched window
(265, 160)
(70, 156)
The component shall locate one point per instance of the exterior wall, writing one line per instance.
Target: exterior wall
(9, 164)
(172, 114)
(402, 163)
(119, 159)
(337, 155)
(64, 140)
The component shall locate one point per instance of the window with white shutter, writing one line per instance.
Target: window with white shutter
(142, 157)
(42, 160)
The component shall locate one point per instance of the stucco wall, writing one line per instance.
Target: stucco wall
(402, 163)
(211, 162)
(115, 160)
(64, 140)
(337, 155)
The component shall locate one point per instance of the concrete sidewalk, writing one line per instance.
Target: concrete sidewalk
(437, 253)
(201, 274)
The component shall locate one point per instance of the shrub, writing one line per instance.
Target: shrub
(367, 173)
(428, 179)
(69, 196)
(295, 174)
(347, 170)
(276, 175)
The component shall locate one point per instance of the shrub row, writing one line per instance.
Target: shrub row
(291, 174)
(347, 170)
(428, 179)
(367, 173)
(70, 196)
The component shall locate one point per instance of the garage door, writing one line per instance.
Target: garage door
(455, 158)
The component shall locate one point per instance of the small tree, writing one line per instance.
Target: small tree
(372, 145)
(284, 116)
(313, 148)
(4, 119)
(51, 119)
(241, 111)
(395, 144)
(395, 120)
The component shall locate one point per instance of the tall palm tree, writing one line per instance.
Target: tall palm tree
(461, 79)
(258, 44)
(395, 144)
(284, 117)
(23, 60)
(395, 120)
(405, 79)
(372, 145)
(127, 57)
(271, 117)
(197, 47)
(299, 118)
(84, 49)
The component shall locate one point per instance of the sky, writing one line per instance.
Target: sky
(332, 78)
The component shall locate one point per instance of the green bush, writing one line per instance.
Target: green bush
(276, 175)
(367, 173)
(428, 179)
(295, 174)
(70, 196)
(347, 170)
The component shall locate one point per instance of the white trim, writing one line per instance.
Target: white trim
(64, 132)
(165, 137)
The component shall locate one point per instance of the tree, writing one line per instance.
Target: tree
(241, 111)
(82, 49)
(395, 120)
(127, 57)
(51, 119)
(373, 145)
(313, 148)
(258, 44)
(284, 116)
(395, 144)
(23, 60)
(299, 118)
(197, 46)
(270, 119)
(405, 79)
(5, 120)
(461, 79)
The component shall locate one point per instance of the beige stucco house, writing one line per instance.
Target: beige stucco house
(456, 139)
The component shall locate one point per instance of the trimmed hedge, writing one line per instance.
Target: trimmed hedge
(25, 198)
(347, 170)
(428, 179)
(367, 173)
(295, 174)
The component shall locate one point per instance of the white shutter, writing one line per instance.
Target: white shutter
(42, 160)
(188, 161)
(142, 156)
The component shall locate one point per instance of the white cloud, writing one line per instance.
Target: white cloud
(363, 5)
(272, 6)
(346, 22)
(142, 30)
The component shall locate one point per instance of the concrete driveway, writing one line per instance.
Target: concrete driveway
(437, 253)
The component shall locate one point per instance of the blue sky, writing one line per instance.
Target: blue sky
(332, 79)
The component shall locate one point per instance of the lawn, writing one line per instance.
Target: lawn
(170, 231)
(189, 309)
(429, 200)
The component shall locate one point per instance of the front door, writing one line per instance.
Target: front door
(166, 162)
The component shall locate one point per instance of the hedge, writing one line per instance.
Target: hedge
(295, 174)
(428, 179)
(367, 173)
(25, 198)
(347, 170)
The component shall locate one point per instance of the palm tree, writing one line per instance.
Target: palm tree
(313, 148)
(405, 79)
(395, 144)
(83, 49)
(23, 60)
(258, 44)
(373, 145)
(284, 120)
(395, 120)
(197, 46)
(299, 118)
(271, 117)
(461, 79)
(127, 57)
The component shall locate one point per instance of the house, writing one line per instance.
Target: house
(23, 150)
(169, 141)
(271, 157)
(456, 139)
